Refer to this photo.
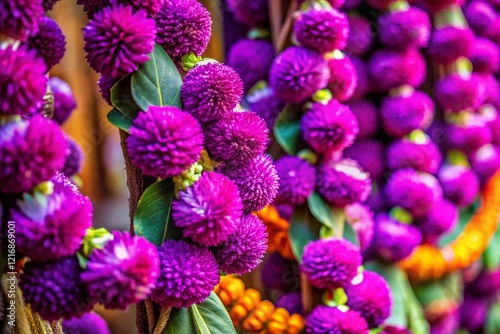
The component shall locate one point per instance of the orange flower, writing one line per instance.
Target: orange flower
(277, 229)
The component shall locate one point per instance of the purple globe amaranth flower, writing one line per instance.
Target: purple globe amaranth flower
(360, 217)
(494, 125)
(236, 138)
(449, 323)
(64, 100)
(460, 184)
(19, 18)
(330, 263)
(405, 113)
(486, 161)
(134, 30)
(280, 274)
(450, 43)
(334, 3)
(456, 93)
(252, 13)
(292, 302)
(360, 37)
(371, 297)
(421, 154)
(297, 73)
(480, 16)
(297, 180)
(469, 132)
(209, 210)
(343, 182)
(251, 59)
(91, 7)
(164, 141)
(343, 78)
(23, 82)
(492, 90)
(441, 219)
(402, 30)
(211, 91)
(54, 289)
(49, 42)
(321, 30)
(486, 284)
(123, 272)
(326, 320)
(377, 201)
(244, 250)
(367, 115)
(391, 69)
(392, 240)
(329, 128)
(266, 105)
(183, 26)
(74, 159)
(188, 274)
(364, 85)
(50, 227)
(370, 155)
(105, 84)
(485, 56)
(32, 151)
(257, 182)
(89, 323)
(474, 313)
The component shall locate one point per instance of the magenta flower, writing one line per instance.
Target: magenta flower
(266, 105)
(450, 43)
(280, 274)
(252, 13)
(368, 118)
(468, 133)
(343, 78)
(74, 159)
(291, 301)
(360, 217)
(365, 84)
(486, 161)
(485, 56)
(105, 84)
(49, 42)
(460, 184)
(480, 16)
(370, 155)
(405, 29)
(88, 323)
(64, 100)
(297, 179)
(19, 18)
(326, 320)
(456, 93)
(423, 156)
(441, 219)
(360, 37)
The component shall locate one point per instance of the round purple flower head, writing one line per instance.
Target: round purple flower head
(360, 217)
(53, 226)
(367, 115)
(91, 7)
(330, 263)
(480, 16)
(402, 30)
(448, 323)
(486, 284)
(370, 155)
(251, 59)
(492, 90)
(494, 124)
(321, 30)
(19, 18)
(364, 85)
(266, 105)
(64, 100)
(237, 138)
(343, 79)
(334, 3)
(420, 154)
(405, 113)
(32, 151)
(252, 13)
(164, 141)
(392, 240)
(74, 159)
(209, 210)
(280, 274)
(211, 91)
(105, 84)
(456, 93)
(371, 298)
(123, 272)
(22, 81)
(54, 289)
(292, 302)
(134, 30)
(257, 182)
(183, 26)
(485, 56)
(297, 180)
(331, 127)
(188, 274)
(474, 312)
(376, 201)
(297, 73)
(416, 192)
(360, 37)
(89, 323)
(469, 133)
(343, 182)
(49, 42)
(243, 251)
(450, 43)
(486, 161)
(460, 184)
(327, 320)
(442, 218)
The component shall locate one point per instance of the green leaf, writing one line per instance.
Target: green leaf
(209, 317)
(121, 98)
(287, 131)
(333, 218)
(157, 81)
(491, 256)
(119, 120)
(350, 234)
(416, 319)
(152, 216)
(493, 320)
(447, 288)
(300, 232)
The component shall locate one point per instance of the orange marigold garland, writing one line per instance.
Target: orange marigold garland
(277, 230)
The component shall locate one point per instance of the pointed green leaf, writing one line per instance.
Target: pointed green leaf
(157, 82)
(119, 120)
(287, 131)
(333, 218)
(121, 98)
(417, 324)
(350, 234)
(300, 232)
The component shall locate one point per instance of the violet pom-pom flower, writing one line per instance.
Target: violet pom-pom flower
(450, 43)
(89, 323)
(367, 115)
(486, 161)
(164, 141)
(123, 272)
(22, 81)
(188, 274)
(32, 151)
(343, 182)
(134, 30)
(211, 91)
(64, 100)
(416, 192)
(330, 263)
(257, 182)
(402, 30)
(343, 78)
(19, 18)
(439, 220)
(460, 184)
(49, 42)
(422, 155)
(361, 219)
(321, 30)
(251, 59)
(330, 127)
(474, 313)
(364, 84)
(456, 93)
(209, 210)
(54, 289)
(243, 251)
(327, 320)
(297, 180)
(370, 155)
(105, 84)
(297, 73)
(266, 105)
(371, 298)
(480, 16)
(183, 26)
(252, 13)
(279, 273)
(292, 302)
(469, 132)
(486, 284)
(236, 138)
(485, 56)
(74, 159)
(360, 35)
